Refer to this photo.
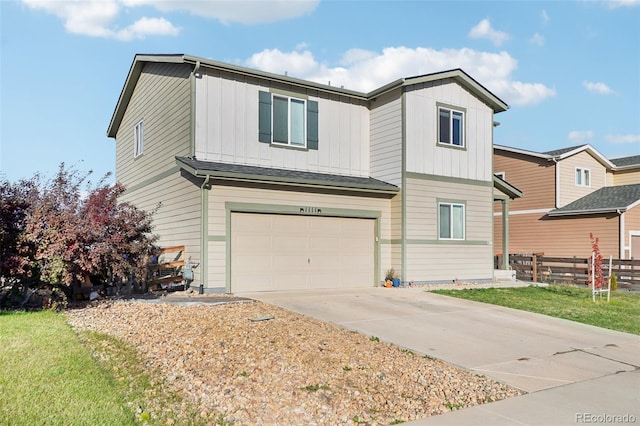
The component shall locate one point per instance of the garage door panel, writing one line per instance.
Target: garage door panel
(280, 252)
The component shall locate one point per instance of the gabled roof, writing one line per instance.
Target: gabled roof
(244, 173)
(457, 74)
(560, 154)
(610, 199)
(140, 60)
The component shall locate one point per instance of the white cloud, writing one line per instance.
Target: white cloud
(580, 136)
(621, 139)
(245, 12)
(537, 39)
(599, 88)
(98, 18)
(622, 3)
(544, 17)
(365, 70)
(484, 30)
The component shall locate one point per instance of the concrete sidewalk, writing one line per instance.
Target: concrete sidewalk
(573, 372)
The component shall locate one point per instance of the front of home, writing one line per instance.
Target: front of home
(276, 183)
(571, 193)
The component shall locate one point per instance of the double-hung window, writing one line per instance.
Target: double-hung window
(451, 221)
(138, 139)
(450, 126)
(583, 177)
(287, 120)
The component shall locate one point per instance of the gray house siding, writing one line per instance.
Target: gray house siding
(429, 259)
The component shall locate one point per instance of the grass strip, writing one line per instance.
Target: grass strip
(563, 301)
(48, 377)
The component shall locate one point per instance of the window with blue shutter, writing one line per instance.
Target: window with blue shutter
(285, 120)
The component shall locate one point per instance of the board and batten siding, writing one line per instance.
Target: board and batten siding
(386, 138)
(429, 259)
(176, 202)
(425, 155)
(227, 127)
(220, 195)
(562, 236)
(535, 177)
(568, 190)
(162, 100)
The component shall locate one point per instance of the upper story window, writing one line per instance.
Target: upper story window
(450, 126)
(138, 139)
(451, 218)
(583, 177)
(287, 120)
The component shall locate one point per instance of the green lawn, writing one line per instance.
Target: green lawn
(48, 377)
(622, 313)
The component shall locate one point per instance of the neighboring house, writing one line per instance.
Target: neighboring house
(274, 183)
(571, 193)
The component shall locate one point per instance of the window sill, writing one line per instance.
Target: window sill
(448, 145)
(285, 146)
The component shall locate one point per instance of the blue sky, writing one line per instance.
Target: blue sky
(570, 70)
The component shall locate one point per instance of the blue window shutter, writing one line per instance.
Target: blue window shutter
(264, 117)
(312, 124)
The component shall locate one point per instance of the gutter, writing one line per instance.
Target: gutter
(617, 210)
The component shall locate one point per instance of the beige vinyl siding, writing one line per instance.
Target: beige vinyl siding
(176, 220)
(161, 99)
(535, 177)
(386, 138)
(564, 237)
(227, 130)
(429, 259)
(626, 177)
(631, 230)
(217, 225)
(569, 191)
(425, 155)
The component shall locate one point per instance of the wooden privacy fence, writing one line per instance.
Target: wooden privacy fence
(570, 270)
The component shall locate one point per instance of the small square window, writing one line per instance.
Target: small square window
(583, 177)
(138, 139)
(450, 127)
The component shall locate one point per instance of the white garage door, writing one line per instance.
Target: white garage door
(286, 252)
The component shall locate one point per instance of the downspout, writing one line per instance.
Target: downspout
(193, 110)
(204, 234)
(557, 181)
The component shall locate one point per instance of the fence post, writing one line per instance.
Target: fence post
(535, 268)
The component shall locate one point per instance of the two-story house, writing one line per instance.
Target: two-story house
(273, 183)
(571, 193)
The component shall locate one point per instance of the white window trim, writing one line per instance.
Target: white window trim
(304, 123)
(138, 139)
(464, 221)
(583, 172)
(501, 175)
(463, 136)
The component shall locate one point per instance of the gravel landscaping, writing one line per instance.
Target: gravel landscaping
(248, 362)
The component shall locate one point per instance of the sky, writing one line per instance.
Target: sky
(569, 70)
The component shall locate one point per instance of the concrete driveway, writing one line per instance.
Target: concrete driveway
(572, 371)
